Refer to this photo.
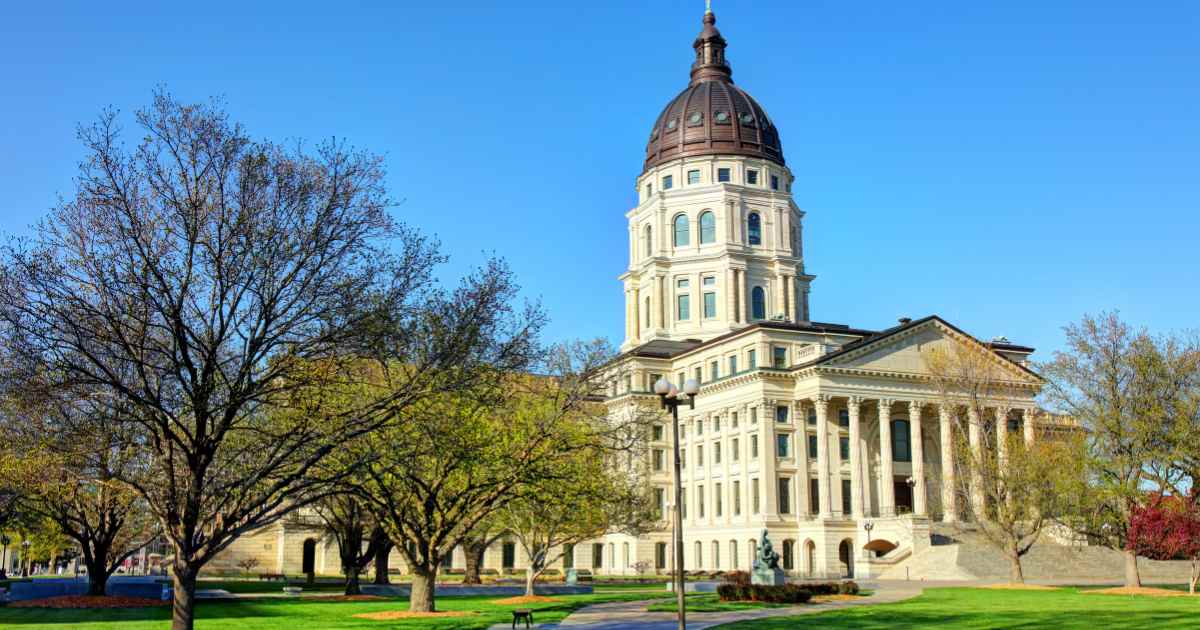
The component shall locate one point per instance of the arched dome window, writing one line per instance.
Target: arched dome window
(758, 303)
(649, 241)
(681, 230)
(708, 228)
(755, 229)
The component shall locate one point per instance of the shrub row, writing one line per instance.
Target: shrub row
(847, 587)
(784, 594)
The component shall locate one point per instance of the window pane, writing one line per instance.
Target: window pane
(693, 177)
(751, 177)
(781, 413)
(754, 232)
(733, 370)
(900, 444)
(844, 447)
(812, 446)
(752, 359)
(780, 357)
(708, 228)
(758, 303)
(681, 230)
(722, 174)
(710, 305)
(781, 445)
(785, 495)
(667, 181)
(844, 418)
(774, 182)
(683, 307)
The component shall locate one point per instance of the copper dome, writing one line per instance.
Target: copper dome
(712, 116)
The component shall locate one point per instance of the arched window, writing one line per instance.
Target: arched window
(708, 228)
(754, 233)
(789, 561)
(758, 303)
(308, 559)
(649, 242)
(681, 230)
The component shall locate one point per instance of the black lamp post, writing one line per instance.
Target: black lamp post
(671, 399)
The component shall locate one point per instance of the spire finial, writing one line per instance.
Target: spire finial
(708, 6)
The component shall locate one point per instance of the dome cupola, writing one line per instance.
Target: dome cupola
(712, 116)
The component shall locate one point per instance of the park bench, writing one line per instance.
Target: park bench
(272, 576)
(525, 614)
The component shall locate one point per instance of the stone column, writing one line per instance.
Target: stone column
(730, 313)
(1027, 419)
(742, 295)
(887, 492)
(834, 444)
(975, 437)
(822, 404)
(918, 457)
(856, 498)
(1002, 435)
(766, 424)
(637, 313)
(949, 495)
(802, 483)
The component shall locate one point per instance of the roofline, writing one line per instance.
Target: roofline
(815, 327)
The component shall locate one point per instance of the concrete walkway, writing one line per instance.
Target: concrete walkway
(633, 615)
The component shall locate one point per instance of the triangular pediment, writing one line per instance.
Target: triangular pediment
(904, 351)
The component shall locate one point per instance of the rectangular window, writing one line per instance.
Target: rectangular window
(699, 427)
(597, 555)
(683, 307)
(901, 447)
(751, 177)
(710, 305)
(753, 416)
(716, 424)
(780, 357)
(785, 495)
(699, 501)
(717, 501)
(699, 377)
(814, 495)
(737, 498)
(682, 283)
(657, 432)
(660, 501)
(713, 370)
(667, 182)
(732, 365)
(781, 413)
(846, 497)
(812, 416)
(722, 174)
(659, 459)
(752, 359)
(699, 454)
(733, 420)
(753, 446)
(693, 177)
(649, 189)
(716, 452)
(812, 446)
(754, 499)
(844, 448)
(782, 442)
(774, 182)
(683, 505)
(844, 418)
(651, 380)
(734, 452)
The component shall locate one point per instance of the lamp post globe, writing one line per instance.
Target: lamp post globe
(691, 387)
(662, 386)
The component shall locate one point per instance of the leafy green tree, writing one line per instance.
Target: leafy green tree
(1131, 392)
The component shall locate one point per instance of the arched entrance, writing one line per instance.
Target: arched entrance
(308, 562)
(846, 556)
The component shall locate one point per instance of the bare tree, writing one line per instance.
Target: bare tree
(1011, 486)
(351, 526)
(196, 278)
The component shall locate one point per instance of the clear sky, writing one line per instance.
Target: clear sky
(1007, 165)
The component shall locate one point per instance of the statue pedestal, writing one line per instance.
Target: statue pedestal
(769, 577)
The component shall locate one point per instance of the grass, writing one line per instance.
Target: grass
(297, 614)
(969, 608)
(709, 602)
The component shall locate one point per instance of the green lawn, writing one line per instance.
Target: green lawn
(295, 614)
(1067, 609)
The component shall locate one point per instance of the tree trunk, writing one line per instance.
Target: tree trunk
(352, 587)
(1132, 578)
(184, 609)
(97, 576)
(474, 548)
(1015, 573)
(382, 551)
(531, 575)
(1195, 576)
(421, 599)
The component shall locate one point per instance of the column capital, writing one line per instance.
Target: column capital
(885, 404)
(853, 403)
(821, 402)
(914, 406)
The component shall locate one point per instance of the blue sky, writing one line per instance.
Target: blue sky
(1007, 165)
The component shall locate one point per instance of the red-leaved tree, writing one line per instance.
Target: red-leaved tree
(1168, 528)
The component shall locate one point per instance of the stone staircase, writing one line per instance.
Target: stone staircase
(960, 553)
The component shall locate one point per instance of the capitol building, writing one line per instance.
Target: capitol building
(809, 430)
